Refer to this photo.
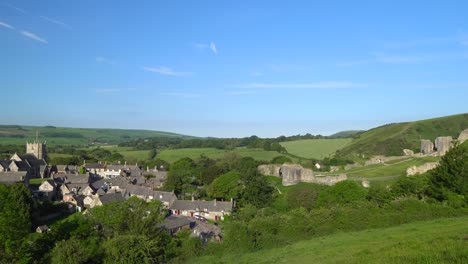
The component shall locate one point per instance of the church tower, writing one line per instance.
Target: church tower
(36, 148)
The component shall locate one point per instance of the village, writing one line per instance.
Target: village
(80, 188)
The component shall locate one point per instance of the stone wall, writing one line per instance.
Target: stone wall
(408, 152)
(381, 159)
(292, 174)
(427, 147)
(413, 170)
(463, 136)
(443, 144)
(270, 170)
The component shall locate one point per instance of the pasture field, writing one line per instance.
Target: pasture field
(388, 170)
(315, 148)
(172, 155)
(442, 240)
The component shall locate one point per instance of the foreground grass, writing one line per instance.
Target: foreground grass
(315, 148)
(436, 241)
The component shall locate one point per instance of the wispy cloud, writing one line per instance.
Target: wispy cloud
(317, 85)
(240, 92)
(16, 8)
(166, 71)
(57, 22)
(182, 94)
(211, 46)
(105, 60)
(3, 24)
(34, 37)
(107, 90)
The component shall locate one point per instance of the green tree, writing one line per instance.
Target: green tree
(451, 176)
(302, 195)
(181, 175)
(226, 186)
(75, 251)
(15, 219)
(344, 192)
(133, 249)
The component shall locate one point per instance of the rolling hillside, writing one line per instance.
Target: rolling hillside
(74, 136)
(391, 139)
(436, 241)
(315, 148)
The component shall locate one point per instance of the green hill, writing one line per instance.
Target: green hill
(436, 241)
(315, 148)
(346, 134)
(391, 139)
(13, 134)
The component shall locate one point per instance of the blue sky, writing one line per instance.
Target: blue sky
(232, 68)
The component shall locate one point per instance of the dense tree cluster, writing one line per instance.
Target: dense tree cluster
(270, 144)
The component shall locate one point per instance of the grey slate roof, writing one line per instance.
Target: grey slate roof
(94, 166)
(211, 206)
(5, 163)
(173, 222)
(111, 197)
(12, 176)
(22, 165)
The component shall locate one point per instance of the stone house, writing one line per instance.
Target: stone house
(105, 199)
(95, 168)
(47, 190)
(214, 210)
(74, 202)
(174, 224)
(11, 177)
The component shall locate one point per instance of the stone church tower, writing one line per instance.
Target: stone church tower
(36, 148)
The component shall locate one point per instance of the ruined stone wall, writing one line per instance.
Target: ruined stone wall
(292, 174)
(381, 159)
(270, 170)
(463, 136)
(427, 147)
(413, 170)
(443, 144)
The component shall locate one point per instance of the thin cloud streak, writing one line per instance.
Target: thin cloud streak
(317, 85)
(3, 24)
(34, 37)
(211, 46)
(16, 8)
(105, 60)
(165, 71)
(57, 22)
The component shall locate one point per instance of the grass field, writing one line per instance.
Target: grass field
(13, 134)
(171, 155)
(315, 148)
(437, 241)
(394, 169)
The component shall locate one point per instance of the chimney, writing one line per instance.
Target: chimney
(232, 201)
(193, 199)
(119, 162)
(147, 168)
(125, 164)
(214, 202)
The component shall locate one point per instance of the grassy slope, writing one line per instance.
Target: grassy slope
(171, 155)
(315, 148)
(436, 241)
(74, 136)
(393, 138)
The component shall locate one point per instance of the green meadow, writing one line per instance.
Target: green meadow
(437, 241)
(315, 148)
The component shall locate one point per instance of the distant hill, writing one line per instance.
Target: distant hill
(346, 134)
(14, 134)
(391, 139)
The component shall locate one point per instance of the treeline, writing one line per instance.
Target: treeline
(219, 143)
